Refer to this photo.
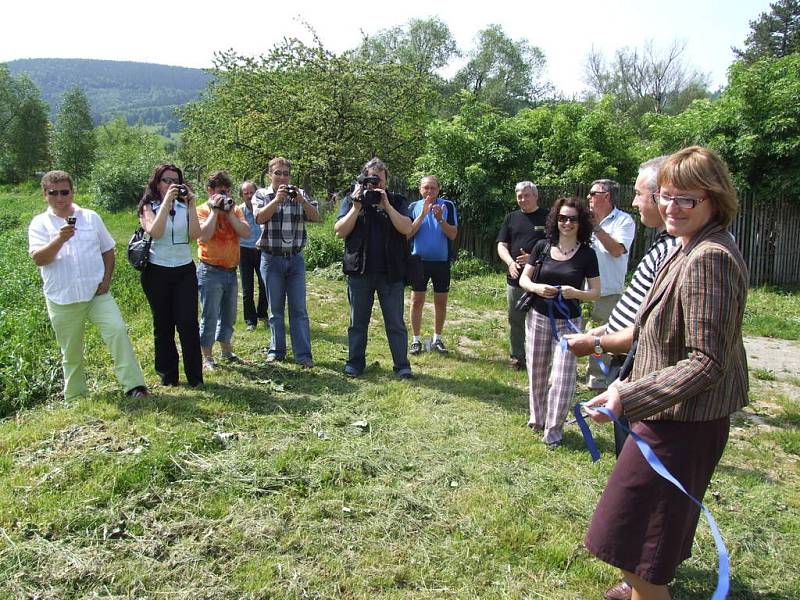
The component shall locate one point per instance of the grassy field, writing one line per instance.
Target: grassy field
(275, 482)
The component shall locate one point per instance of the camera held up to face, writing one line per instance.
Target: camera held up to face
(369, 197)
(291, 192)
(224, 203)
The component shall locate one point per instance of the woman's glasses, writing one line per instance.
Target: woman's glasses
(170, 180)
(567, 218)
(682, 201)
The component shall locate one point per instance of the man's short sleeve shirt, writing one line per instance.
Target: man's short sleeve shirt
(521, 231)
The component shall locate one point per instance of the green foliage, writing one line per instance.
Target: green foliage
(326, 113)
(467, 265)
(754, 125)
(125, 159)
(423, 44)
(775, 34)
(24, 128)
(29, 357)
(502, 72)
(74, 145)
(323, 248)
(480, 154)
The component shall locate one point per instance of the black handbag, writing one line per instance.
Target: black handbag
(525, 301)
(139, 249)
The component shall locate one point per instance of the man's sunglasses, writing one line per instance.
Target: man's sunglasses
(57, 192)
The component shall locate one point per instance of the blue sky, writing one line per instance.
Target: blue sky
(188, 33)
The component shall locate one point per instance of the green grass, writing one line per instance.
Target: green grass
(445, 494)
(773, 312)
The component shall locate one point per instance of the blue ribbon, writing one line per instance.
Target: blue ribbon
(560, 304)
(723, 577)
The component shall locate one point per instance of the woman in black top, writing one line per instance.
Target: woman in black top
(567, 262)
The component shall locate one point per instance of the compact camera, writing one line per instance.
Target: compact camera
(292, 191)
(225, 203)
(72, 220)
(183, 191)
(369, 197)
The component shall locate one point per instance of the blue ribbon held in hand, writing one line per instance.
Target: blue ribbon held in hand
(723, 577)
(560, 304)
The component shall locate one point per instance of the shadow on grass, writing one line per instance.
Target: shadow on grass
(268, 389)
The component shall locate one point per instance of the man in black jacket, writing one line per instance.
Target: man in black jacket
(374, 224)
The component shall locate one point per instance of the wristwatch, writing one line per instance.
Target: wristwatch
(598, 348)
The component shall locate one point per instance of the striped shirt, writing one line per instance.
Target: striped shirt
(624, 313)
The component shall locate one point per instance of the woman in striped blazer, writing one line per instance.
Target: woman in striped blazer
(689, 375)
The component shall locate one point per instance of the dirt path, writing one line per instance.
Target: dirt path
(782, 357)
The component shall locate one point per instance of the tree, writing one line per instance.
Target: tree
(775, 34)
(481, 153)
(74, 143)
(24, 127)
(646, 80)
(754, 125)
(504, 73)
(126, 155)
(425, 45)
(327, 113)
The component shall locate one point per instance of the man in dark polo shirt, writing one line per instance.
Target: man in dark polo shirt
(520, 231)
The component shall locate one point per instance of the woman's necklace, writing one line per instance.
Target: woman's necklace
(567, 252)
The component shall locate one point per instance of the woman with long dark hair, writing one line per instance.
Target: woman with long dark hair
(567, 263)
(167, 212)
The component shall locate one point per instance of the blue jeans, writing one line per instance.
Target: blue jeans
(218, 297)
(361, 291)
(285, 278)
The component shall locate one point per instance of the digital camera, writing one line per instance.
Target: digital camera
(183, 191)
(72, 220)
(292, 191)
(369, 197)
(225, 203)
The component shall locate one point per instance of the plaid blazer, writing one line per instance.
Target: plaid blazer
(690, 364)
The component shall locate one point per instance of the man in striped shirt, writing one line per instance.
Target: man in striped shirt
(614, 336)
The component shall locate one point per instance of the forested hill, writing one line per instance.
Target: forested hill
(135, 90)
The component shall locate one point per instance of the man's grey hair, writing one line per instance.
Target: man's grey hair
(650, 168)
(611, 186)
(526, 184)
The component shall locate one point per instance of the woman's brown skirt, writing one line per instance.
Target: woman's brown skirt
(644, 524)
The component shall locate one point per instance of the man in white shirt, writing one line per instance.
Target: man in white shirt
(612, 237)
(75, 255)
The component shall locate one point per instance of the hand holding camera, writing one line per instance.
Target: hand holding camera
(369, 197)
(68, 230)
(223, 202)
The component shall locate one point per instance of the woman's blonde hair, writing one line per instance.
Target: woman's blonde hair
(698, 168)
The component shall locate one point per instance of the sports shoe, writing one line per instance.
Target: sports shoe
(272, 358)
(416, 347)
(516, 364)
(231, 357)
(621, 591)
(306, 364)
(351, 371)
(438, 345)
(209, 364)
(251, 327)
(405, 374)
(139, 391)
